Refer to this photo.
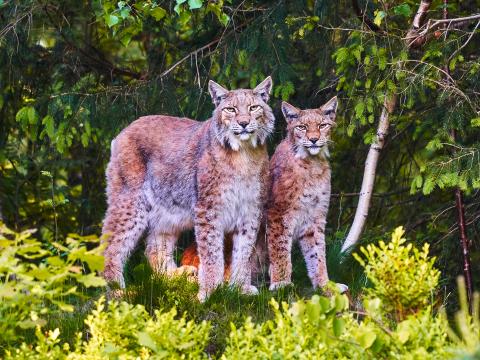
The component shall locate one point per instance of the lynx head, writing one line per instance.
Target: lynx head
(309, 130)
(242, 117)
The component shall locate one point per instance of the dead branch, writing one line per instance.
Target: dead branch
(416, 37)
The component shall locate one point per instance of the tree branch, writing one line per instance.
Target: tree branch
(364, 18)
(416, 37)
(369, 174)
(413, 39)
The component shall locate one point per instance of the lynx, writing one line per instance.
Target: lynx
(299, 194)
(169, 174)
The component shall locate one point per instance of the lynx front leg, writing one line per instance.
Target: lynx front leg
(244, 239)
(210, 251)
(160, 252)
(279, 240)
(312, 243)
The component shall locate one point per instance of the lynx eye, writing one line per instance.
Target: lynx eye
(301, 127)
(230, 110)
(254, 107)
(323, 126)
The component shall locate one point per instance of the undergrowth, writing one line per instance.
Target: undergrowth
(157, 317)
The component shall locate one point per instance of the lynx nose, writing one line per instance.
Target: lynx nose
(314, 140)
(244, 123)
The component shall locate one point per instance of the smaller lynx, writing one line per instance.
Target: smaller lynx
(300, 194)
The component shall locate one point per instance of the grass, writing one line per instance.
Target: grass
(224, 307)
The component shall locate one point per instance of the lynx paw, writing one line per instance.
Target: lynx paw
(202, 296)
(279, 284)
(115, 294)
(184, 269)
(249, 290)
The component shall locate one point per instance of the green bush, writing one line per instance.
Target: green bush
(37, 280)
(124, 331)
(403, 277)
(389, 325)
(403, 280)
(128, 331)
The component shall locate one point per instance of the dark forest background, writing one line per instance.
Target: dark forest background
(74, 73)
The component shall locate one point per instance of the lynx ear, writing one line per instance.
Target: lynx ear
(289, 111)
(264, 88)
(217, 92)
(330, 108)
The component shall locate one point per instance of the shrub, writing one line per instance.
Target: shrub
(307, 329)
(128, 331)
(321, 327)
(124, 331)
(403, 280)
(403, 277)
(36, 280)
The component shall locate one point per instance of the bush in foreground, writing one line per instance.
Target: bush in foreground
(397, 321)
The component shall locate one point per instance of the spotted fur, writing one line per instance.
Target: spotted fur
(169, 174)
(299, 193)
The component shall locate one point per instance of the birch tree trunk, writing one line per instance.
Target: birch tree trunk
(369, 174)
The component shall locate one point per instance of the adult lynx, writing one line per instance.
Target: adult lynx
(299, 194)
(169, 174)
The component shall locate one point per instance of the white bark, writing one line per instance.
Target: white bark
(369, 174)
(413, 38)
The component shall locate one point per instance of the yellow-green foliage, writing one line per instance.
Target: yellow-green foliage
(323, 328)
(36, 279)
(403, 277)
(308, 329)
(318, 328)
(466, 333)
(124, 331)
(128, 332)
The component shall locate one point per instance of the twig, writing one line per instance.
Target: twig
(364, 18)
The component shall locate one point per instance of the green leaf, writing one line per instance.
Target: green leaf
(224, 19)
(403, 331)
(125, 12)
(178, 7)
(111, 20)
(91, 280)
(84, 139)
(325, 304)
(146, 340)
(22, 114)
(195, 4)
(379, 16)
(338, 326)
(95, 262)
(403, 9)
(49, 123)
(475, 122)
(341, 302)
(313, 311)
(366, 339)
(359, 109)
(158, 13)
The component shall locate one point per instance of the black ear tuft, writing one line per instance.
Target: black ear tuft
(330, 108)
(264, 88)
(217, 92)
(289, 111)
